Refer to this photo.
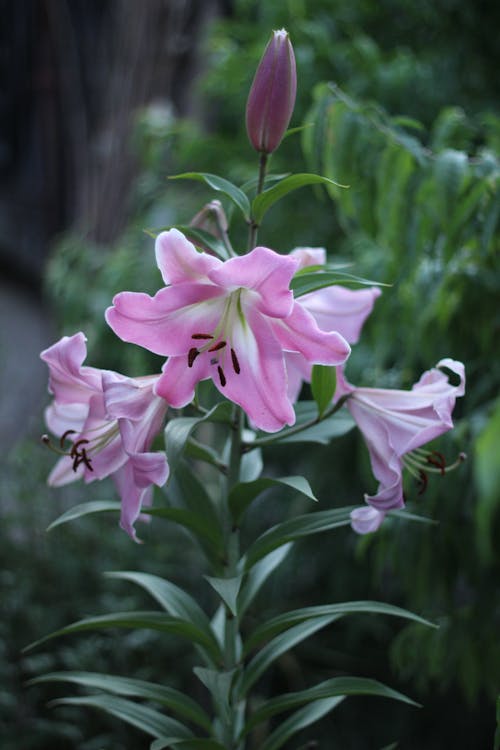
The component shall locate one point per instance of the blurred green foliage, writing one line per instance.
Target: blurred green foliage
(411, 124)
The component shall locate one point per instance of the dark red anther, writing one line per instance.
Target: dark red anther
(222, 377)
(75, 450)
(64, 436)
(422, 482)
(236, 364)
(82, 458)
(192, 354)
(438, 460)
(218, 346)
(201, 336)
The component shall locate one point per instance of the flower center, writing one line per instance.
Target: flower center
(218, 343)
(81, 449)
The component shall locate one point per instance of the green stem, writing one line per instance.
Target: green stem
(254, 227)
(232, 556)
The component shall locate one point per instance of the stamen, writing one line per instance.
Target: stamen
(222, 377)
(236, 364)
(438, 460)
(423, 482)
(64, 436)
(218, 346)
(202, 336)
(82, 458)
(75, 450)
(192, 354)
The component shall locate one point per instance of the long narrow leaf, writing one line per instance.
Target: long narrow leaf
(147, 620)
(263, 202)
(166, 696)
(301, 719)
(334, 687)
(85, 509)
(178, 430)
(244, 493)
(286, 620)
(172, 598)
(220, 184)
(278, 646)
(142, 717)
(295, 528)
(259, 575)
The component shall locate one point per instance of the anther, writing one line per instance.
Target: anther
(75, 450)
(236, 364)
(192, 354)
(438, 460)
(65, 435)
(201, 336)
(422, 482)
(218, 346)
(222, 377)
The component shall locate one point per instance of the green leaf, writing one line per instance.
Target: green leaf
(135, 620)
(263, 202)
(219, 686)
(336, 686)
(166, 696)
(228, 589)
(487, 480)
(323, 385)
(303, 283)
(222, 185)
(244, 493)
(283, 621)
(278, 646)
(142, 717)
(206, 534)
(178, 431)
(323, 432)
(259, 575)
(295, 528)
(301, 719)
(170, 597)
(199, 237)
(194, 744)
(85, 509)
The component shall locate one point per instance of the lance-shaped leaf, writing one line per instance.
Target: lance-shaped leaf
(244, 493)
(278, 646)
(220, 184)
(309, 428)
(228, 589)
(301, 719)
(178, 431)
(85, 509)
(259, 574)
(135, 620)
(263, 202)
(323, 385)
(286, 620)
(142, 717)
(295, 528)
(172, 598)
(303, 283)
(173, 699)
(219, 686)
(336, 686)
(193, 744)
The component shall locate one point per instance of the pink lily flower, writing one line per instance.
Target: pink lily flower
(230, 321)
(334, 308)
(395, 424)
(110, 420)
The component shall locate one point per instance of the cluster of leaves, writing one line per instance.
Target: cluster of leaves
(425, 215)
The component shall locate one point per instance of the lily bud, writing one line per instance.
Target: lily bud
(272, 95)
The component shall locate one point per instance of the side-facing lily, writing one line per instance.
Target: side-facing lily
(230, 321)
(395, 425)
(109, 421)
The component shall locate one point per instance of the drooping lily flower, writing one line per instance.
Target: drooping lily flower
(334, 308)
(230, 321)
(395, 425)
(110, 422)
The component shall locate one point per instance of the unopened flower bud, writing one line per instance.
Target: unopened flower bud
(272, 96)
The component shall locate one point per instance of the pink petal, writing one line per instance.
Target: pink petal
(178, 381)
(165, 323)
(336, 308)
(179, 261)
(309, 256)
(300, 333)
(366, 519)
(68, 380)
(263, 271)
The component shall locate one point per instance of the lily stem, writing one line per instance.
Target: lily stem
(254, 227)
